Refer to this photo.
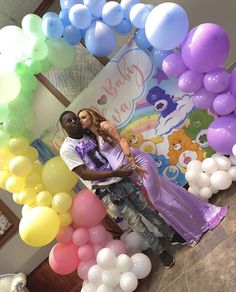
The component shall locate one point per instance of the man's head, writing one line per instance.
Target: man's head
(71, 124)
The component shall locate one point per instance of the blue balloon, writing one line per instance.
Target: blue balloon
(112, 13)
(158, 56)
(67, 4)
(83, 32)
(141, 39)
(138, 14)
(166, 26)
(50, 14)
(124, 27)
(80, 17)
(127, 5)
(100, 39)
(72, 35)
(52, 27)
(64, 17)
(95, 6)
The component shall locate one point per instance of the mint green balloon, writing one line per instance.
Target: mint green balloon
(32, 26)
(38, 50)
(28, 135)
(19, 107)
(28, 82)
(20, 68)
(30, 118)
(4, 139)
(9, 86)
(34, 66)
(14, 126)
(3, 112)
(46, 65)
(60, 54)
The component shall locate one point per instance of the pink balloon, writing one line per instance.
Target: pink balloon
(108, 238)
(63, 258)
(217, 81)
(65, 234)
(87, 210)
(117, 246)
(80, 236)
(97, 247)
(84, 267)
(173, 65)
(190, 81)
(86, 252)
(97, 234)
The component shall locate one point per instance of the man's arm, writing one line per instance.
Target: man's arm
(87, 174)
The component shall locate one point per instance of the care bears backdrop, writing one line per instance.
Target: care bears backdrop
(148, 108)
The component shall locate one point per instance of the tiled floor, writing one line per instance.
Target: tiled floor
(210, 266)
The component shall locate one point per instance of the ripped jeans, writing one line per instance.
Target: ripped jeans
(130, 201)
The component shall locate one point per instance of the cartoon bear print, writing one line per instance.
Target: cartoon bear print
(182, 149)
(162, 102)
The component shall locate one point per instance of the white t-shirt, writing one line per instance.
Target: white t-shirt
(84, 151)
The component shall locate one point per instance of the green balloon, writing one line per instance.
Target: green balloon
(4, 139)
(32, 26)
(46, 65)
(30, 119)
(9, 86)
(14, 126)
(34, 66)
(28, 82)
(60, 54)
(20, 68)
(3, 112)
(27, 134)
(38, 50)
(19, 107)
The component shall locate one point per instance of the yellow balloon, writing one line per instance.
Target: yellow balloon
(31, 153)
(39, 188)
(33, 179)
(15, 184)
(18, 145)
(44, 199)
(37, 168)
(4, 175)
(65, 219)
(57, 177)
(61, 202)
(39, 226)
(20, 166)
(5, 158)
(27, 196)
(15, 198)
(25, 209)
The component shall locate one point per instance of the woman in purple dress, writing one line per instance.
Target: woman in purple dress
(186, 213)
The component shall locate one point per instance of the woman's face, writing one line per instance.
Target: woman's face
(85, 119)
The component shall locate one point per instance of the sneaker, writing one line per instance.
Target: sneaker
(178, 240)
(166, 259)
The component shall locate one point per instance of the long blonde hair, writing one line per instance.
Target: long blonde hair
(97, 119)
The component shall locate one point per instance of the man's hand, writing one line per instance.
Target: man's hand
(120, 172)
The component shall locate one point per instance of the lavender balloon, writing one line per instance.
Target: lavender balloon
(173, 65)
(190, 81)
(232, 83)
(217, 80)
(205, 48)
(221, 134)
(224, 104)
(203, 99)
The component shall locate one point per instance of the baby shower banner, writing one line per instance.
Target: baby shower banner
(148, 109)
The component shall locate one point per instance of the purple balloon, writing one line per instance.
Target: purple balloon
(217, 80)
(221, 134)
(224, 104)
(173, 65)
(190, 81)
(203, 99)
(232, 84)
(205, 48)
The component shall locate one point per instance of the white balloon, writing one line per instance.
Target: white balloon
(232, 159)
(223, 162)
(214, 190)
(123, 263)
(141, 265)
(234, 150)
(205, 193)
(89, 287)
(221, 180)
(194, 190)
(134, 241)
(204, 180)
(232, 172)
(192, 176)
(95, 275)
(106, 258)
(117, 289)
(215, 155)
(128, 282)
(111, 277)
(209, 165)
(123, 236)
(104, 288)
(195, 165)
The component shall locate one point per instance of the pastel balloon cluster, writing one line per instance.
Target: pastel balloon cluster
(114, 273)
(211, 175)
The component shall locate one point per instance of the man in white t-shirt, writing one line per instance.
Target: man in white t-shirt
(80, 152)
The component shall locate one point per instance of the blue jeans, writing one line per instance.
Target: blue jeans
(130, 201)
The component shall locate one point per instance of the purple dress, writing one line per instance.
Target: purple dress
(186, 213)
